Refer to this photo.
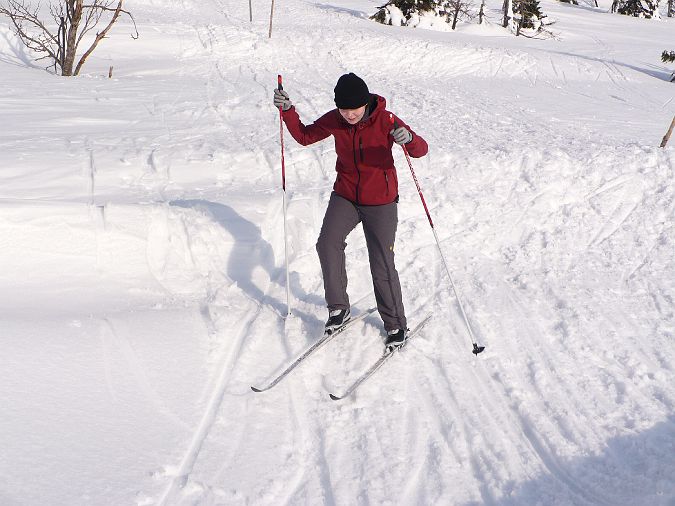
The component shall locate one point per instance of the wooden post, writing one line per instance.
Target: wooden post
(667, 136)
(271, 15)
(110, 72)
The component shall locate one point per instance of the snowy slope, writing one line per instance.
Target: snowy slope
(143, 284)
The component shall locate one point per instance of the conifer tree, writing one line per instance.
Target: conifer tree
(403, 12)
(408, 8)
(521, 14)
(669, 57)
(529, 13)
(637, 8)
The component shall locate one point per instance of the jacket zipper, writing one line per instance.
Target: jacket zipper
(356, 166)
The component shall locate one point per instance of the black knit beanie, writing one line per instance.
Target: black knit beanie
(351, 92)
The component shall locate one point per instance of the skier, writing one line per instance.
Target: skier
(365, 191)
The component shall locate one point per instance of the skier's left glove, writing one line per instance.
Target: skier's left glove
(401, 135)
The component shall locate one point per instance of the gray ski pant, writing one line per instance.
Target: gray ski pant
(379, 227)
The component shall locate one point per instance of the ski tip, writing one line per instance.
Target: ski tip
(477, 349)
(334, 397)
(257, 390)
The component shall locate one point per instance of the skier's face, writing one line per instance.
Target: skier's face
(353, 116)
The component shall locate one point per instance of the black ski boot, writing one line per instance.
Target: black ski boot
(336, 319)
(396, 339)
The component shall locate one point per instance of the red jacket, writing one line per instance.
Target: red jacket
(365, 167)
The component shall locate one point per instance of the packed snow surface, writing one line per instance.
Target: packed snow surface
(143, 282)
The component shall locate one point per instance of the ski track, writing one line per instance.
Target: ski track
(137, 370)
(211, 413)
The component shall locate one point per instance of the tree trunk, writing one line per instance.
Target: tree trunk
(74, 13)
(454, 17)
(667, 136)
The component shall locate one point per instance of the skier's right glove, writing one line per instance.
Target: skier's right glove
(281, 100)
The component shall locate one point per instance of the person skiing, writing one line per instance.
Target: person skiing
(365, 191)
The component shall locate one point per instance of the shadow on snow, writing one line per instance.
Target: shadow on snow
(249, 252)
(631, 471)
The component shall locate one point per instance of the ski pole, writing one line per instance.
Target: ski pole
(283, 187)
(476, 349)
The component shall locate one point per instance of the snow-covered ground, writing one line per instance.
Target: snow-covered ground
(142, 289)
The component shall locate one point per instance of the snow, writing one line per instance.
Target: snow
(143, 283)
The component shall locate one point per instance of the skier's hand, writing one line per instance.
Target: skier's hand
(401, 135)
(281, 100)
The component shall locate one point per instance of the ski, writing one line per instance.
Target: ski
(380, 362)
(313, 348)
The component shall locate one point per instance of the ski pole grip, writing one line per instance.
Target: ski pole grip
(279, 84)
(392, 120)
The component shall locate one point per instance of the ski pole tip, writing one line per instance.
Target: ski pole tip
(477, 349)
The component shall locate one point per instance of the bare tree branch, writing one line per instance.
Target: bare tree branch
(18, 16)
(99, 37)
(73, 19)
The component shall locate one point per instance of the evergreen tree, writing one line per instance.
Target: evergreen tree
(669, 57)
(529, 12)
(408, 8)
(402, 12)
(637, 8)
(523, 14)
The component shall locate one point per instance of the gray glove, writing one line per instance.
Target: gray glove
(281, 100)
(401, 135)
